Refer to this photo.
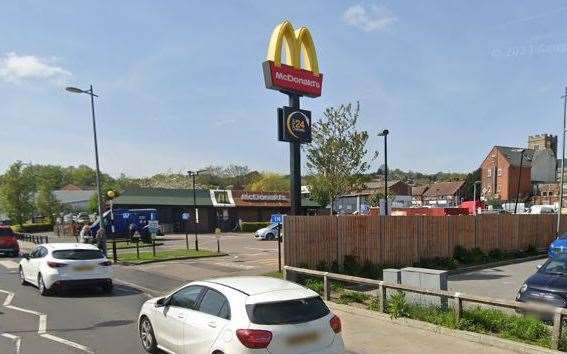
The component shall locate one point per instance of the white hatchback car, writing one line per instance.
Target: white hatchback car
(240, 315)
(52, 266)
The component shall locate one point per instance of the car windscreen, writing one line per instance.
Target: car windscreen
(287, 312)
(6, 232)
(77, 254)
(555, 265)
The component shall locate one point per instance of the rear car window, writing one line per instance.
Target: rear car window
(6, 232)
(287, 312)
(78, 254)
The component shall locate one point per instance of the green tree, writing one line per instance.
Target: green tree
(269, 182)
(47, 204)
(337, 155)
(16, 193)
(468, 188)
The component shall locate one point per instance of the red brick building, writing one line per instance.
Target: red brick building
(500, 173)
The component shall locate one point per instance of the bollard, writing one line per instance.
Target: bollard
(458, 306)
(382, 297)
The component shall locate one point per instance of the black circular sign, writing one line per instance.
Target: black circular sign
(299, 126)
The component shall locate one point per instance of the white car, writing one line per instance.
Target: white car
(267, 233)
(52, 266)
(240, 315)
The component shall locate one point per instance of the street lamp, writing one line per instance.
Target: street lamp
(519, 178)
(91, 93)
(474, 194)
(385, 133)
(194, 174)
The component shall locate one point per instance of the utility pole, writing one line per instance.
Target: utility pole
(194, 174)
(519, 180)
(562, 163)
(385, 133)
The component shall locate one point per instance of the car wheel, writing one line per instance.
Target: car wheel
(23, 280)
(270, 236)
(147, 336)
(41, 286)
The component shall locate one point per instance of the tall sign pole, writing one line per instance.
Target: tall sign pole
(560, 206)
(294, 124)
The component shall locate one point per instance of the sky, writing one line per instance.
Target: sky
(181, 85)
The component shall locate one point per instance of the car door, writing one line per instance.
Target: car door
(35, 261)
(28, 265)
(170, 319)
(203, 327)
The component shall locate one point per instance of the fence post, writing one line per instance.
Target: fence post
(458, 306)
(326, 287)
(382, 297)
(557, 323)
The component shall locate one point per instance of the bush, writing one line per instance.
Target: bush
(398, 306)
(39, 227)
(316, 285)
(353, 296)
(254, 226)
(374, 304)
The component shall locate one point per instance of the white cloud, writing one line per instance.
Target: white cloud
(376, 17)
(15, 68)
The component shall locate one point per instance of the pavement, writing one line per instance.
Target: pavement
(84, 321)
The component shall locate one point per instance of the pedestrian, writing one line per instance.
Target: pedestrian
(85, 234)
(100, 241)
(131, 230)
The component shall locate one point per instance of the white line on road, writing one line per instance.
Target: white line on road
(9, 264)
(236, 266)
(148, 291)
(16, 339)
(67, 342)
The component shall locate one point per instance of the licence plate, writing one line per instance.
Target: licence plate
(84, 268)
(303, 338)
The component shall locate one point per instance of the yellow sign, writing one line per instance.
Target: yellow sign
(297, 42)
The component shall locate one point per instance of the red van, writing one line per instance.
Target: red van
(8, 242)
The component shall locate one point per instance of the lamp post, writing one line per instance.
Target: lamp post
(385, 133)
(519, 179)
(474, 195)
(194, 174)
(91, 93)
(562, 163)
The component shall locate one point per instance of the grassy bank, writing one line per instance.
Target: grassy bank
(166, 255)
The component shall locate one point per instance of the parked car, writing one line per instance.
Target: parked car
(558, 246)
(240, 315)
(548, 285)
(8, 242)
(54, 266)
(267, 233)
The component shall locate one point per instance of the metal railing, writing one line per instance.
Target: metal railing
(37, 239)
(557, 312)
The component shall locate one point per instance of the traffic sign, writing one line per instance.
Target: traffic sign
(276, 219)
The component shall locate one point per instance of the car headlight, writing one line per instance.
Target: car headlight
(523, 288)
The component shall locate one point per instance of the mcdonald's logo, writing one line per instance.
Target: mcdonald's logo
(291, 77)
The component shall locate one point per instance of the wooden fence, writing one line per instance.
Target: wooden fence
(404, 240)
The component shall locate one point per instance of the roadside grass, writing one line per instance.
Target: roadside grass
(526, 329)
(148, 257)
(274, 274)
(123, 245)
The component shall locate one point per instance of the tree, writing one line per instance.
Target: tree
(337, 155)
(468, 187)
(269, 182)
(16, 193)
(47, 204)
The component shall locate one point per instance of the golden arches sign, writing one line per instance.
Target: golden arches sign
(297, 42)
(290, 77)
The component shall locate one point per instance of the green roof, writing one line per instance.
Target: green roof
(163, 196)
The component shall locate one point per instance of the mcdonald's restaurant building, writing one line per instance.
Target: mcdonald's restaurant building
(215, 208)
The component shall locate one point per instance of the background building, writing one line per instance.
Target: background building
(444, 194)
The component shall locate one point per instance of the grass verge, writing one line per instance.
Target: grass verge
(148, 257)
(123, 245)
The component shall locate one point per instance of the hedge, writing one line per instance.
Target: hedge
(40, 227)
(254, 226)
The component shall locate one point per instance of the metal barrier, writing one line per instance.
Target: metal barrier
(37, 239)
(557, 312)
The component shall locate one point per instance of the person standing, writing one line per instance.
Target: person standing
(100, 240)
(85, 234)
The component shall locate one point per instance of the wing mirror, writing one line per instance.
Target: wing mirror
(162, 302)
(26, 256)
(539, 266)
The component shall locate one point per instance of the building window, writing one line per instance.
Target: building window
(489, 173)
(499, 172)
(498, 189)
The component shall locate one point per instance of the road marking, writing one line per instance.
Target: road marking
(14, 338)
(9, 264)
(236, 266)
(67, 342)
